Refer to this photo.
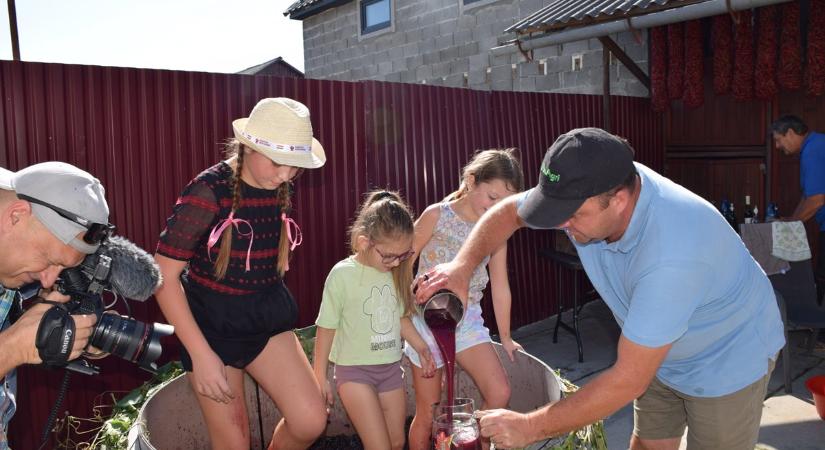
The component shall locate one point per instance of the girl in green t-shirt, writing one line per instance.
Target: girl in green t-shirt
(365, 313)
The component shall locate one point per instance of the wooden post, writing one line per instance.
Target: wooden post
(606, 88)
(626, 60)
(15, 42)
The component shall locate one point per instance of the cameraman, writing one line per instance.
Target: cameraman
(51, 216)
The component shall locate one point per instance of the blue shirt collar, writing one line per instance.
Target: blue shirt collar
(633, 234)
(806, 141)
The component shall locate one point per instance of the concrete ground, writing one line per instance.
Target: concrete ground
(789, 421)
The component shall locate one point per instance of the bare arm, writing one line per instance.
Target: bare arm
(12, 355)
(172, 301)
(502, 298)
(424, 227)
(208, 370)
(320, 360)
(320, 355)
(625, 381)
(808, 207)
(494, 228)
(411, 335)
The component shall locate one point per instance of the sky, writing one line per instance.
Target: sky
(223, 36)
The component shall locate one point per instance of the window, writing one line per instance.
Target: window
(468, 5)
(375, 15)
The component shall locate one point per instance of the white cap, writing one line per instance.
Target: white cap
(66, 187)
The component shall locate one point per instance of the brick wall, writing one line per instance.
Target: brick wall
(443, 43)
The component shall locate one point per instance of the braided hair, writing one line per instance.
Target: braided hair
(283, 192)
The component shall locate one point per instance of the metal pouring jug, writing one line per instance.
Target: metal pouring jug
(445, 300)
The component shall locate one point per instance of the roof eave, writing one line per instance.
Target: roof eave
(591, 20)
(315, 8)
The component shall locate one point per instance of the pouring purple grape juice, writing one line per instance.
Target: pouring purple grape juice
(442, 312)
(443, 326)
(453, 429)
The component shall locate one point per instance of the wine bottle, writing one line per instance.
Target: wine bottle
(748, 213)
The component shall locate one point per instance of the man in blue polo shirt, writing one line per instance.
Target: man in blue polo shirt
(791, 136)
(700, 324)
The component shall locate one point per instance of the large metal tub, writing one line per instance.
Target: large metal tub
(171, 419)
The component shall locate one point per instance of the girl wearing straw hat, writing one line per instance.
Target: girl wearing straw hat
(223, 255)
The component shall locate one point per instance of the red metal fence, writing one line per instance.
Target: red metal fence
(146, 133)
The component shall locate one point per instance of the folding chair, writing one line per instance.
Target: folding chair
(796, 294)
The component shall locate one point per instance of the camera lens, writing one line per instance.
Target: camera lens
(130, 339)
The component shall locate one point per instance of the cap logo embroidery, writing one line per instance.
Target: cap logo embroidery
(547, 172)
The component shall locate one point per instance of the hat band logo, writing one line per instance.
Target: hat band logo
(553, 177)
(276, 147)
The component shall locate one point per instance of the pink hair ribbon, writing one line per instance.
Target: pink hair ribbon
(293, 234)
(219, 228)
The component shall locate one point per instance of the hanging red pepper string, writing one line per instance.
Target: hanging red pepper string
(658, 67)
(743, 58)
(722, 54)
(766, 53)
(694, 68)
(676, 61)
(790, 55)
(815, 73)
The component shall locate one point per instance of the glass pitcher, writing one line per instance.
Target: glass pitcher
(454, 427)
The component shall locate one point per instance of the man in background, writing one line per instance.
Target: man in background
(792, 136)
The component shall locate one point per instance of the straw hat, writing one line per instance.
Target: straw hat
(280, 129)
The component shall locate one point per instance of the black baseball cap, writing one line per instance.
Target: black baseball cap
(581, 163)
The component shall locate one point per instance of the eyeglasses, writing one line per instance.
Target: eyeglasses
(390, 258)
(95, 234)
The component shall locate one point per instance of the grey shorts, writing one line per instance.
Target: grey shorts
(382, 377)
(729, 422)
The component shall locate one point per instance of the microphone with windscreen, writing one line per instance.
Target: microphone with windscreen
(134, 273)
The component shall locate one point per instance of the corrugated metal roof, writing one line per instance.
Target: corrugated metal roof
(302, 9)
(567, 13)
(299, 5)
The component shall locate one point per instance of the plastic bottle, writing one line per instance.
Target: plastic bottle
(772, 212)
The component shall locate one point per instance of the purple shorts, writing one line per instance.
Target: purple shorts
(382, 377)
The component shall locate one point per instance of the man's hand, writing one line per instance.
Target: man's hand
(93, 352)
(506, 429)
(24, 331)
(449, 276)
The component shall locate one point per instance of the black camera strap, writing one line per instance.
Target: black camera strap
(55, 335)
(54, 342)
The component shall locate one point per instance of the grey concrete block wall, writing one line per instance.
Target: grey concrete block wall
(441, 42)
